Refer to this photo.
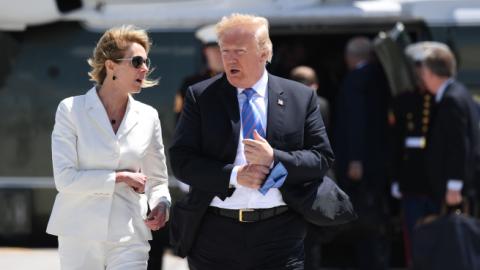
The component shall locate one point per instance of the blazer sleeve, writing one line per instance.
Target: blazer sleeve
(68, 178)
(189, 165)
(455, 128)
(155, 168)
(316, 157)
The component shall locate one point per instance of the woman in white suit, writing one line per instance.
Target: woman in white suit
(108, 162)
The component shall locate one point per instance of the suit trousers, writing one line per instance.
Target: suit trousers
(224, 243)
(81, 254)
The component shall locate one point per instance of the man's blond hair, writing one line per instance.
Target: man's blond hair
(259, 24)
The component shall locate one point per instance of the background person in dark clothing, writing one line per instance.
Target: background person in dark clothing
(308, 76)
(360, 143)
(453, 142)
(412, 120)
(451, 159)
(413, 116)
(213, 65)
(316, 235)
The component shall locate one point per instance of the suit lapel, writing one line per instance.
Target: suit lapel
(276, 108)
(130, 119)
(275, 111)
(230, 102)
(97, 113)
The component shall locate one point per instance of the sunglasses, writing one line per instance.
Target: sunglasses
(137, 61)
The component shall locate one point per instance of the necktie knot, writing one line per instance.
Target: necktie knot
(249, 92)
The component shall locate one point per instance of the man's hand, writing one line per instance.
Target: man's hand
(157, 217)
(395, 190)
(258, 151)
(355, 170)
(134, 180)
(252, 176)
(453, 197)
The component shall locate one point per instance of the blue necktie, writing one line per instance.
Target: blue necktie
(251, 116)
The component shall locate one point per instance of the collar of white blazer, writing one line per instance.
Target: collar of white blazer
(98, 114)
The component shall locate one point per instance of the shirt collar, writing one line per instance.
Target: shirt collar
(441, 90)
(260, 86)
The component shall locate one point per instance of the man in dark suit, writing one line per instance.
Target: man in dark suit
(238, 136)
(453, 141)
(360, 144)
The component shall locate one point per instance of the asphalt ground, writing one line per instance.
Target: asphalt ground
(47, 259)
(13, 258)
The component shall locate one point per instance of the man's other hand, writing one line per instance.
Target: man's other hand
(258, 151)
(252, 176)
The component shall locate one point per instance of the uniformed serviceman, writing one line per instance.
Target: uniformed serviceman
(213, 65)
(413, 111)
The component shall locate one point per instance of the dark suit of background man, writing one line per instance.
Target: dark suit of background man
(360, 144)
(453, 141)
(241, 228)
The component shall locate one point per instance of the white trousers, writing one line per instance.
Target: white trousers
(79, 254)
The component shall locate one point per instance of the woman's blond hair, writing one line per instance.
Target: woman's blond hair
(259, 24)
(112, 45)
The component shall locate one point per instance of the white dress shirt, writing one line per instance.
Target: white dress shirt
(245, 197)
(86, 153)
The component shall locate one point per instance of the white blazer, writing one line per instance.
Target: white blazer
(86, 153)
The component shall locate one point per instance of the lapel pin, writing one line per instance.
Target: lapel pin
(280, 102)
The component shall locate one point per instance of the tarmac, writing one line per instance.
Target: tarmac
(13, 258)
(47, 259)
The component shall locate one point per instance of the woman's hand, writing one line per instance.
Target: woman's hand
(157, 217)
(136, 181)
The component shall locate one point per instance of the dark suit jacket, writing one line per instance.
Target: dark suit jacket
(325, 112)
(361, 125)
(206, 140)
(453, 141)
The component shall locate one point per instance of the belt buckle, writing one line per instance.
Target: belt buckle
(240, 213)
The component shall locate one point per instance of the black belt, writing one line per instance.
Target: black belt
(248, 214)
